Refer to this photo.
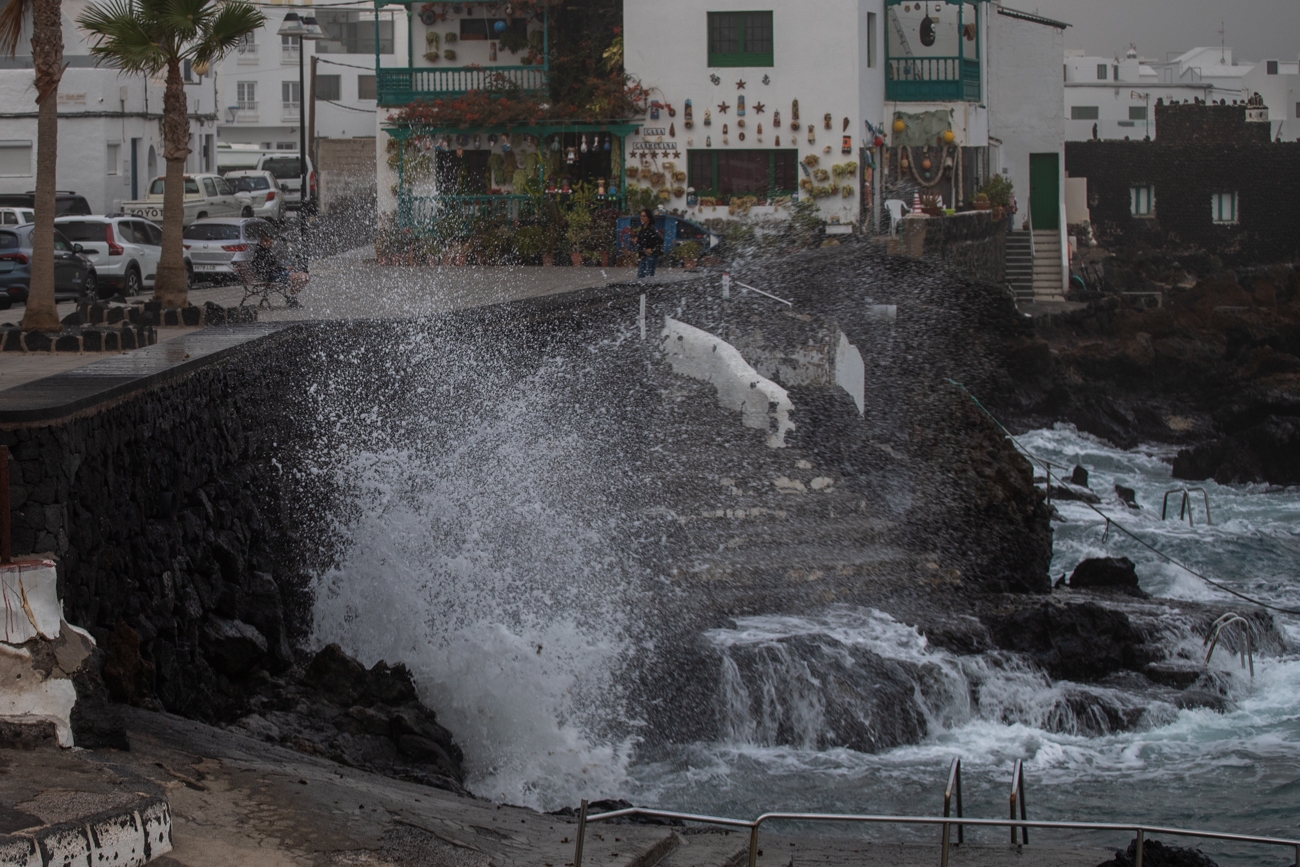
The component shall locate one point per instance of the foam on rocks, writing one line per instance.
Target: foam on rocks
(762, 403)
(39, 654)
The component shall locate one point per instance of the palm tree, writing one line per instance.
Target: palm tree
(149, 37)
(47, 62)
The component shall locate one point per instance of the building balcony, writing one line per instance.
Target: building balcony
(398, 87)
(247, 55)
(246, 112)
(290, 112)
(932, 79)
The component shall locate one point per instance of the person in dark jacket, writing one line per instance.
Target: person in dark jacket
(648, 244)
(266, 264)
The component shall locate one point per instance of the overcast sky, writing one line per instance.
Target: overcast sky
(1255, 29)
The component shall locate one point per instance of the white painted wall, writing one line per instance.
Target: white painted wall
(1025, 99)
(1281, 93)
(666, 46)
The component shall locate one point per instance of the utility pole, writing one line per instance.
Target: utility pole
(311, 118)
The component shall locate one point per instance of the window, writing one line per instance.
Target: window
(1137, 112)
(481, 29)
(84, 230)
(209, 188)
(160, 184)
(247, 45)
(1114, 73)
(1270, 67)
(1141, 201)
(1223, 207)
(286, 146)
(289, 48)
(15, 158)
(246, 93)
(740, 39)
(353, 32)
(743, 172)
(113, 150)
(1084, 112)
(329, 87)
(1297, 109)
(1101, 72)
(223, 188)
(290, 93)
(366, 87)
(871, 39)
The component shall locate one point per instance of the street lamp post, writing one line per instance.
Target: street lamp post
(305, 29)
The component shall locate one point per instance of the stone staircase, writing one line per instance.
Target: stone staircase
(1035, 273)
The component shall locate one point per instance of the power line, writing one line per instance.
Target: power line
(348, 107)
(1111, 522)
(320, 59)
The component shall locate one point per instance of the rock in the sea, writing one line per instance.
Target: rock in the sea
(1127, 496)
(1079, 476)
(233, 647)
(1157, 854)
(1081, 641)
(1071, 491)
(1266, 452)
(1107, 573)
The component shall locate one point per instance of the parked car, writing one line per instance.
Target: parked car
(73, 273)
(205, 196)
(288, 171)
(674, 230)
(16, 216)
(65, 202)
(213, 246)
(124, 250)
(264, 189)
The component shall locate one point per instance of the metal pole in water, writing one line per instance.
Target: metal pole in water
(753, 847)
(641, 317)
(582, 830)
(5, 554)
(1141, 842)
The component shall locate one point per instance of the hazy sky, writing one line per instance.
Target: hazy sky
(1255, 29)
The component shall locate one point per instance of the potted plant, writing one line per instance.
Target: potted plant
(528, 243)
(604, 230)
(689, 252)
(578, 232)
(998, 189)
(930, 205)
(552, 225)
(982, 202)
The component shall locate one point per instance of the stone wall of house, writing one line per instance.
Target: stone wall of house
(1185, 174)
(972, 242)
(1200, 123)
(167, 516)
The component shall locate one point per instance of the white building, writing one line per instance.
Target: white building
(110, 139)
(258, 83)
(1278, 83)
(1110, 98)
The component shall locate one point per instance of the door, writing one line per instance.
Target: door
(68, 269)
(135, 169)
(1045, 191)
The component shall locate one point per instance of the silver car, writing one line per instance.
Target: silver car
(213, 246)
(267, 195)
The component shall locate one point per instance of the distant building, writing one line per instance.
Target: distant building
(110, 142)
(1278, 84)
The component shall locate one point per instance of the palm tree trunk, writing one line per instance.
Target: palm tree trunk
(171, 287)
(47, 59)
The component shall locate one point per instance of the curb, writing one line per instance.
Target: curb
(122, 837)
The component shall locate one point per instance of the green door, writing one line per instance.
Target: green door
(1045, 190)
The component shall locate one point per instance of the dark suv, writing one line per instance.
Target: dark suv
(66, 202)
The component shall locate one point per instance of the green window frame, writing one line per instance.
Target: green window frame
(782, 171)
(740, 39)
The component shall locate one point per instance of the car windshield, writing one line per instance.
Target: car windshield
(248, 185)
(84, 230)
(10, 241)
(159, 184)
(283, 168)
(212, 232)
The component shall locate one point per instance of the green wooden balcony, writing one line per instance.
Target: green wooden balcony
(397, 87)
(932, 79)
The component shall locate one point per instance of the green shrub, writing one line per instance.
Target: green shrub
(998, 189)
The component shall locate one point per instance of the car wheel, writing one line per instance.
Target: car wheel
(203, 215)
(248, 212)
(91, 286)
(189, 276)
(134, 285)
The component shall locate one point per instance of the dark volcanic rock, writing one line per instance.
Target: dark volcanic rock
(1108, 573)
(1266, 452)
(1070, 491)
(1127, 496)
(1082, 641)
(233, 647)
(1157, 854)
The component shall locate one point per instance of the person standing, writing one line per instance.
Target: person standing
(648, 244)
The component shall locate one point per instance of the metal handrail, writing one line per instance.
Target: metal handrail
(954, 786)
(1185, 506)
(1245, 649)
(1018, 796)
(753, 824)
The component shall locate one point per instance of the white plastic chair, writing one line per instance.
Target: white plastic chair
(896, 208)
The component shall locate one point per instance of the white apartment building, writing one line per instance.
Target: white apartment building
(260, 94)
(1278, 83)
(110, 140)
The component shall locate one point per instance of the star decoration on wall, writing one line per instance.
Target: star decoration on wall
(677, 155)
(759, 108)
(722, 107)
(715, 79)
(740, 85)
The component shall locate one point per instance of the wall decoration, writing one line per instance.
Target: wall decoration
(812, 137)
(776, 119)
(778, 141)
(826, 120)
(740, 85)
(827, 149)
(584, 143)
(767, 79)
(492, 50)
(759, 108)
(708, 117)
(760, 131)
(794, 110)
(724, 129)
(741, 136)
(716, 81)
(672, 130)
(722, 107)
(846, 144)
(672, 112)
(740, 105)
(741, 123)
(845, 127)
(449, 54)
(654, 111)
(690, 116)
(927, 30)
(708, 141)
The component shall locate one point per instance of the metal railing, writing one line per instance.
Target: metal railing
(401, 86)
(1185, 506)
(1245, 643)
(946, 822)
(910, 79)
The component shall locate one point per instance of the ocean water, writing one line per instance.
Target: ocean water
(513, 607)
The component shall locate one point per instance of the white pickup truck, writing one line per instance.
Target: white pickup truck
(205, 196)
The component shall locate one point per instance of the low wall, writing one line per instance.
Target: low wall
(972, 242)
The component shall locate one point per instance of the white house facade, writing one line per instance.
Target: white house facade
(110, 139)
(1278, 84)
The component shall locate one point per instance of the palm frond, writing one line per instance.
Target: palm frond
(187, 19)
(224, 30)
(124, 36)
(12, 17)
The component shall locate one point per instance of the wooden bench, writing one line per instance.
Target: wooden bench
(262, 290)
